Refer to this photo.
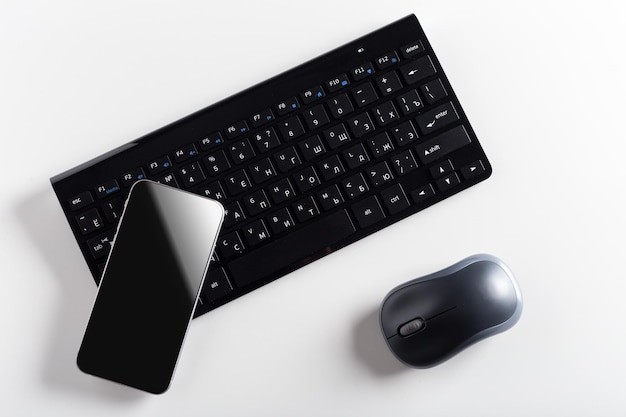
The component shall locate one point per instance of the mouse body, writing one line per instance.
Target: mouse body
(430, 319)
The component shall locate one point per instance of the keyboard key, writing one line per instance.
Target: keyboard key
(100, 246)
(315, 117)
(287, 106)
(362, 71)
(356, 156)
(441, 168)
(213, 190)
(368, 211)
(380, 144)
(231, 244)
(291, 128)
(423, 193)
(168, 179)
(355, 186)
(89, 221)
(412, 49)
(132, 177)
(403, 162)
(448, 181)
(309, 242)
(210, 142)
(389, 83)
(266, 140)
(395, 199)
(185, 153)
(312, 147)
(262, 171)
(361, 125)
(331, 168)
(281, 221)
(233, 214)
(305, 209)
(330, 197)
(472, 170)
(312, 94)
(379, 174)
(159, 165)
(417, 70)
(287, 159)
(113, 209)
(336, 136)
(387, 60)
(337, 83)
(340, 106)
(442, 145)
(237, 129)
(108, 188)
(306, 179)
(364, 95)
(433, 91)
(281, 191)
(410, 102)
(256, 202)
(191, 175)
(237, 182)
(404, 133)
(80, 200)
(437, 118)
(261, 118)
(216, 163)
(256, 233)
(386, 113)
(216, 285)
(241, 151)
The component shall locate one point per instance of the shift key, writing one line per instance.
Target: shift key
(442, 145)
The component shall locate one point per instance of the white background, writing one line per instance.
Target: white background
(543, 84)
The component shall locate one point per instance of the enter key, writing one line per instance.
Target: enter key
(437, 118)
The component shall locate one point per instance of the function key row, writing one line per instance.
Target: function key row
(317, 92)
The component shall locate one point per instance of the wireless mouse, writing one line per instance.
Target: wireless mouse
(430, 319)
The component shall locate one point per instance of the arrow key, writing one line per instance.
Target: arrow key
(423, 193)
(472, 170)
(448, 181)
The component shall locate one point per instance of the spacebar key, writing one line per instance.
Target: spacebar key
(296, 249)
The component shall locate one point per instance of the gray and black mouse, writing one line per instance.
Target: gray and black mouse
(430, 319)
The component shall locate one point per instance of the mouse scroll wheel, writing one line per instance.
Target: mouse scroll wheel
(412, 327)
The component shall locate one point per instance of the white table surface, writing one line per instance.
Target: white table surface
(543, 83)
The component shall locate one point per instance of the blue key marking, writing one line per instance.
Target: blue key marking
(319, 94)
(166, 165)
(268, 117)
(369, 70)
(394, 60)
(344, 83)
(293, 105)
(112, 189)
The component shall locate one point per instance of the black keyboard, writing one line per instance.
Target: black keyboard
(304, 163)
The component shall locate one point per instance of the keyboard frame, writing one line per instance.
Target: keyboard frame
(240, 106)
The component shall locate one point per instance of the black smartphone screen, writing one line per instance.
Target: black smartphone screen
(149, 287)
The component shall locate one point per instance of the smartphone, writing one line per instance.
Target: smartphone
(150, 286)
